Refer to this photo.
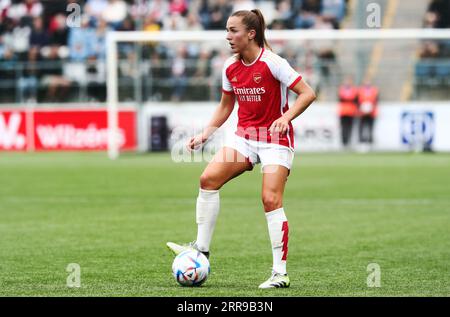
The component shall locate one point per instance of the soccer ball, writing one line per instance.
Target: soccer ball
(190, 268)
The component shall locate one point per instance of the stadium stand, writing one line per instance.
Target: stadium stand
(432, 68)
(43, 59)
(36, 44)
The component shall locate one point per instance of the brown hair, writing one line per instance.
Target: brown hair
(254, 20)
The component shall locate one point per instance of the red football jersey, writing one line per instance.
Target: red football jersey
(261, 89)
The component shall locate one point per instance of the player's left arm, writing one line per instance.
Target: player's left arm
(306, 96)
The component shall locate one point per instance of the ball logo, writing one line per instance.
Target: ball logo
(417, 127)
(257, 77)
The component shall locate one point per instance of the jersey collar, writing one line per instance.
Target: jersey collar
(257, 59)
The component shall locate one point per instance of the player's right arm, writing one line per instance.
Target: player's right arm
(223, 111)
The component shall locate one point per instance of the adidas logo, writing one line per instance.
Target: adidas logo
(234, 80)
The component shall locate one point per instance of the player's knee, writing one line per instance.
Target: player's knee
(209, 182)
(271, 201)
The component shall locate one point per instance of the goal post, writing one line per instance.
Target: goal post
(113, 39)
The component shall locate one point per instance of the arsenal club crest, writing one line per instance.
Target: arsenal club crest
(257, 77)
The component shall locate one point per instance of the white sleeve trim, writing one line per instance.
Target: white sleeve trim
(280, 68)
(226, 85)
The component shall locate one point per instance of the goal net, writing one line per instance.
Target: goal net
(183, 69)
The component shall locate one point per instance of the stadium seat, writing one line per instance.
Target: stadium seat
(443, 72)
(424, 72)
(445, 48)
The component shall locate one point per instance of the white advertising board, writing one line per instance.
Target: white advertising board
(399, 126)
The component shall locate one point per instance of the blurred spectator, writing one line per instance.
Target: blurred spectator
(6, 32)
(127, 25)
(58, 30)
(99, 40)
(9, 64)
(57, 85)
(2, 46)
(124, 47)
(127, 72)
(437, 16)
(283, 16)
(157, 71)
(96, 66)
(158, 9)
(333, 11)
(95, 8)
(194, 6)
(429, 49)
(312, 6)
(151, 23)
(202, 65)
(8, 72)
(193, 22)
(306, 17)
(442, 9)
(291, 56)
(80, 41)
(95, 78)
(18, 39)
(178, 6)
(39, 36)
(27, 8)
(368, 109)
(29, 80)
(217, 63)
(203, 11)
(4, 7)
(27, 24)
(218, 15)
(307, 67)
(278, 25)
(284, 10)
(348, 108)
(430, 20)
(174, 22)
(54, 7)
(325, 48)
(202, 73)
(179, 80)
(296, 5)
(115, 13)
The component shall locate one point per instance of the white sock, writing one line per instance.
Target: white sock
(279, 236)
(208, 205)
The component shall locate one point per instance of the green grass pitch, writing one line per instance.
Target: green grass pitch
(113, 218)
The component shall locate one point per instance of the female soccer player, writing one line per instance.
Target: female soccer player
(259, 80)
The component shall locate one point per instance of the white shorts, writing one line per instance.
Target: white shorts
(262, 152)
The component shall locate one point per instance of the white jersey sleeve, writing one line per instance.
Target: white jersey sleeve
(286, 74)
(226, 85)
(281, 69)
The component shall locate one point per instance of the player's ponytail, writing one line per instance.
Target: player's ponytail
(260, 34)
(254, 20)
